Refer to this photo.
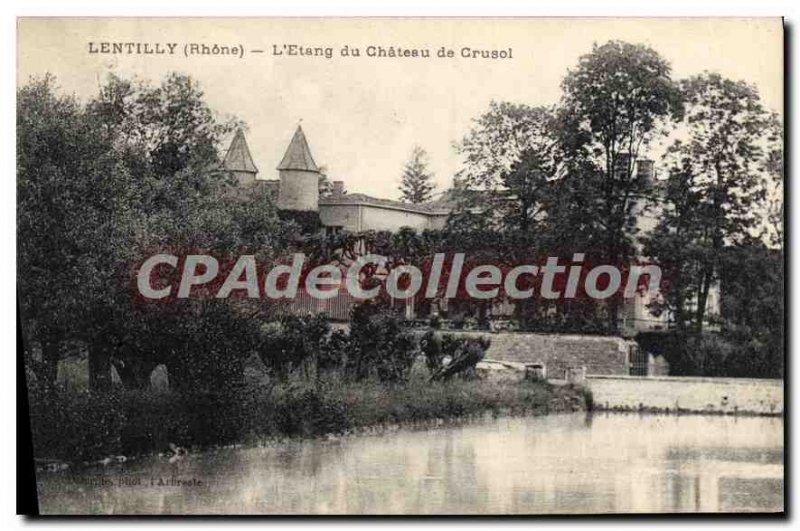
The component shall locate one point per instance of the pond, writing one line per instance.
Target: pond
(575, 463)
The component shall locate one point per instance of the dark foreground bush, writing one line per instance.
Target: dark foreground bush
(733, 353)
(84, 427)
(380, 345)
(76, 426)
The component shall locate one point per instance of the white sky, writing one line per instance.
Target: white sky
(363, 115)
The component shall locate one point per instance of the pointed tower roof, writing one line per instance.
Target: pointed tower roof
(298, 156)
(238, 156)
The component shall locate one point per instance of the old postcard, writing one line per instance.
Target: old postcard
(326, 266)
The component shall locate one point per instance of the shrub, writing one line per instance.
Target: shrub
(203, 343)
(294, 342)
(309, 411)
(733, 353)
(334, 352)
(76, 426)
(84, 426)
(308, 221)
(707, 354)
(87, 427)
(380, 344)
(431, 346)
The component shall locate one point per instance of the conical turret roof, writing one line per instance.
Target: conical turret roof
(298, 156)
(238, 156)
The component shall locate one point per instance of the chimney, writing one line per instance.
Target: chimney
(338, 189)
(645, 170)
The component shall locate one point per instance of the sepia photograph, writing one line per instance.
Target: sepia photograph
(402, 266)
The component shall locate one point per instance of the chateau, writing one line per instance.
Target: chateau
(297, 188)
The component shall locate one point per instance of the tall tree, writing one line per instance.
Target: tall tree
(716, 197)
(75, 218)
(752, 281)
(417, 185)
(170, 123)
(613, 104)
(326, 188)
(772, 231)
(510, 156)
(99, 189)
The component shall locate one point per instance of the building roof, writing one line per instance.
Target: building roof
(447, 200)
(238, 156)
(298, 156)
(364, 199)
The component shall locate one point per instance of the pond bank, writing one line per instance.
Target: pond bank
(83, 428)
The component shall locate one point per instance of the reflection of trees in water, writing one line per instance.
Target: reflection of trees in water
(560, 463)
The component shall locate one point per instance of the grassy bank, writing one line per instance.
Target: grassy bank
(76, 426)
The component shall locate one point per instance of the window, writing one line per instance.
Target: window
(333, 229)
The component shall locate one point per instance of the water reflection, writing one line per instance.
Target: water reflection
(556, 464)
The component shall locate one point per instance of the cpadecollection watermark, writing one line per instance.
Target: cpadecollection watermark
(174, 276)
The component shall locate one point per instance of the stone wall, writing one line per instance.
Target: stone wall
(379, 218)
(715, 395)
(346, 216)
(361, 217)
(600, 355)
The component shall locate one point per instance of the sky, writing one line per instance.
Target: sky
(363, 115)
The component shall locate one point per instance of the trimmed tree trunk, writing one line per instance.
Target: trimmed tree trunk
(702, 299)
(135, 373)
(51, 353)
(99, 368)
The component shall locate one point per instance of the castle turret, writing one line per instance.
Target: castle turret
(238, 161)
(299, 174)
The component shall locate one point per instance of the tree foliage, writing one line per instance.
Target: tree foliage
(102, 185)
(379, 344)
(613, 103)
(416, 185)
(511, 156)
(715, 196)
(136, 170)
(74, 218)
